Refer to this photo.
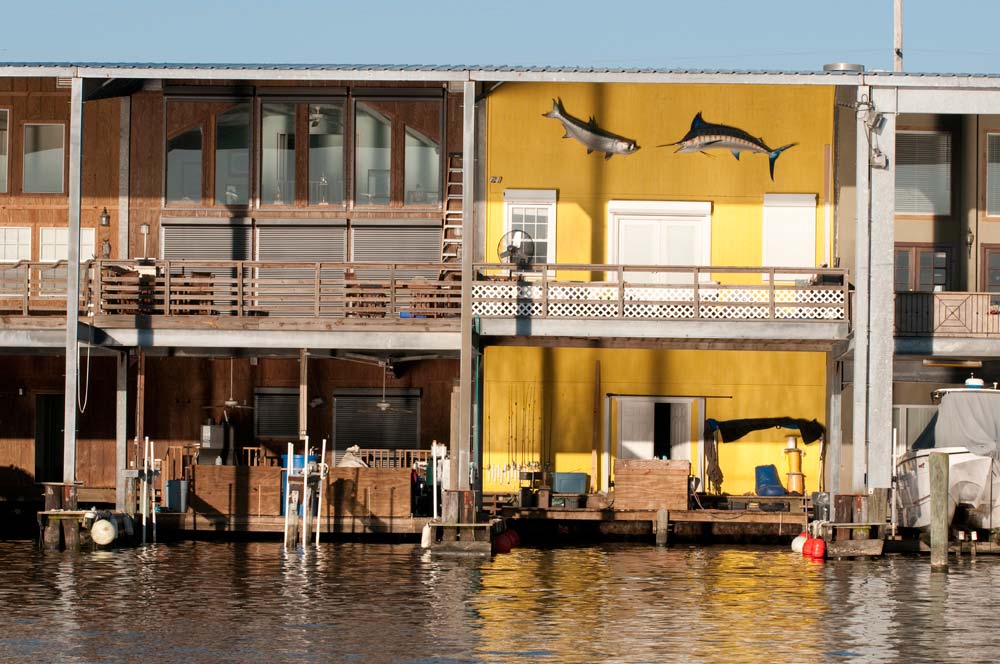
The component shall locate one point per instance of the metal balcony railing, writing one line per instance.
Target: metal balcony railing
(948, 314)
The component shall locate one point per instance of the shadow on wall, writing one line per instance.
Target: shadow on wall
(14, 476)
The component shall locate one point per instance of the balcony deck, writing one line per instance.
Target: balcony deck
(947, 323)
(674, 305)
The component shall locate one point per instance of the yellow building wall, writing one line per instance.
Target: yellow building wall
(525, 151)
(539, 403)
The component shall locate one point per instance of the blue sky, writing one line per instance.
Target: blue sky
(939, 36)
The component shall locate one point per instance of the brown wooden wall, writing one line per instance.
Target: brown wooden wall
(32, 100)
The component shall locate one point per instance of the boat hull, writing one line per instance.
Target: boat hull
(972, 484)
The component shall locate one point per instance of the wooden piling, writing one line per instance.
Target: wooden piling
(52, 533)
(70, 527)
(938, 463)
(662, 526)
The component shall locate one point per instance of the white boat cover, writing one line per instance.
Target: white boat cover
(965, 418)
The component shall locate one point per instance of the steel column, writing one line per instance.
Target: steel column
(861, 296)
(463, 449)
(121, 431)
(73, 278)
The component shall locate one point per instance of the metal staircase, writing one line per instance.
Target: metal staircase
(451, 236)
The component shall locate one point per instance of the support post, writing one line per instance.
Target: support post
(461, 449)
(304, 394)
(52, 534)
(73, 278)
(897, 35)
(71, 527)
(662, 526)
(938, 463)
(834, 438)
(861, 294)
(596, 441)
(121, 430)
(606, 453)
(881, 295)
(140, 399)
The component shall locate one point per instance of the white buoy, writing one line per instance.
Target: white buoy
(426, 537)
(798, 542)
(104, 531)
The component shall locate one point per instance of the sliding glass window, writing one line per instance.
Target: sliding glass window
(421, 122)
(277, 164)
(232, 156)
(326, 154)
(4, 115)
(373, 153)
(185, 137)
(44, 158)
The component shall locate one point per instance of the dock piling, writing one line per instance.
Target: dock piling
(939, 510)
(662, 526)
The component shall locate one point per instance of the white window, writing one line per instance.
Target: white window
(660, 233)
(4, 140)
(923, 173)
(789, 233)
(15, 245)
(54, 244)
(44, 157)
(534, 212)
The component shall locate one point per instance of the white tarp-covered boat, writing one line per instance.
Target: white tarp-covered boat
(967, 429)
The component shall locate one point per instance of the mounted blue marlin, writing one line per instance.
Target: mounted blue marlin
(593, 138)
(707, 136)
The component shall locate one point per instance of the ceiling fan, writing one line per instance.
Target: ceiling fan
(230, 403)
(383, 405)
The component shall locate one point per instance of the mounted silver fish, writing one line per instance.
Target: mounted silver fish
(704, 136)
(593, 137)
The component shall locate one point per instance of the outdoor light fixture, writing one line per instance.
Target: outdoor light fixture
(970, 239)
(144, 229)
(105, 217)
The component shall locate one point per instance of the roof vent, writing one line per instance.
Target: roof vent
(844, 66)
(64, 82)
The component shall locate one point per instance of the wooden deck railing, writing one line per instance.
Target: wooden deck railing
(235, 288)
(948, 314)
(601, 292)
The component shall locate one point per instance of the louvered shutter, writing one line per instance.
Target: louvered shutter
(923, 173)
(276, 413)
(993, 175)
(376, 241)
(357, 420)
(291, 291)
(208, 242)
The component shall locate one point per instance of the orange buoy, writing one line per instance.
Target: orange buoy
(501, 544)
(515, 539)
(818, 551)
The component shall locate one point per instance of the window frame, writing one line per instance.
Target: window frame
(63, 166)
(5, 151)
(534, 198)
(943, 131)
(915, 249)
(209, 136)
(984, 202)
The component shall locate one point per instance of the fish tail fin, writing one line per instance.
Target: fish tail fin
(556, 108)
(773, 156)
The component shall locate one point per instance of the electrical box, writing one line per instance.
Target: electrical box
(213, 443)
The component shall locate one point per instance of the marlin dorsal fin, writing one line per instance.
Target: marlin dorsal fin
(592, 123)
(698, 121)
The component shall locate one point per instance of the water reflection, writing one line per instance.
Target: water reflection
(253, 602)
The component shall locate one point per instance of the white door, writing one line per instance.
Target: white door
(635, 426)
(659, 233)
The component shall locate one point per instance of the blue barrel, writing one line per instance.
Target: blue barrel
(297, 460)
(767, 482)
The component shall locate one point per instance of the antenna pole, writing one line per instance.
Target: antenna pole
(897, 35)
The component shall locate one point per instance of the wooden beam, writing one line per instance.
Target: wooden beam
(938, 463)
(303, 393)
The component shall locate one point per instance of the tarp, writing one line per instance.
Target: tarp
(733, 430)
(965, 418)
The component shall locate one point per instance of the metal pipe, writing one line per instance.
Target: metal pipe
(290, 462)
(322, 480)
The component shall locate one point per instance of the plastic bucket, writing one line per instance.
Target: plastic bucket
(177, 495)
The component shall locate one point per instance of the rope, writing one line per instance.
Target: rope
(86, 393)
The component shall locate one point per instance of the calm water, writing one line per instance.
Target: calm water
(251, 602)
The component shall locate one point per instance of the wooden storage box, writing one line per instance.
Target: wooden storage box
(651, 484)
(369, 492)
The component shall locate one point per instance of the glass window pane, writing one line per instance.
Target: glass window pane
(277, 166)
(3, 150)
(923, 173)
(326, 154)
(232, 156)
(422, 167)
(993, 175)
(43, 159)
(15, 244)
(902, 271)
(373, 154)
(184, 167)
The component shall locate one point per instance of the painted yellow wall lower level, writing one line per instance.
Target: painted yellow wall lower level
(539, 403)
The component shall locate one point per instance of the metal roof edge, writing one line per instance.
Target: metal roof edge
(653, 76)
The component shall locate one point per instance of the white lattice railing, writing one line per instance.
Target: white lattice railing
(661, 293)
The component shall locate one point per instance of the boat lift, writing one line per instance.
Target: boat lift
(310, 477)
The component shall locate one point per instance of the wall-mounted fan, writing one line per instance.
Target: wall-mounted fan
(230, 403)
(517, 248)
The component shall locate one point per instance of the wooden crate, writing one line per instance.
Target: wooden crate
(369, 492)
(651, 484)
(236, 490)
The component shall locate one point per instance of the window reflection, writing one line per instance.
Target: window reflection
(43, 159)
(232, 156)
(326, 154)
(373, 156)
(3, 150)
(277, 167)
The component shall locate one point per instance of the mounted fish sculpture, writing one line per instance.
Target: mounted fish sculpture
(707, 136)
(593, 137)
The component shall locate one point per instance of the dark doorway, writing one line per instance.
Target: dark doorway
(661, 430)
(49, 437)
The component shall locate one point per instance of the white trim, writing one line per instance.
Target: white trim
(533, 198)
(3, 230)
(88, 240)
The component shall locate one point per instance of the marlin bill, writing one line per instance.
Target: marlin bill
(705, 136)
(593, 137)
